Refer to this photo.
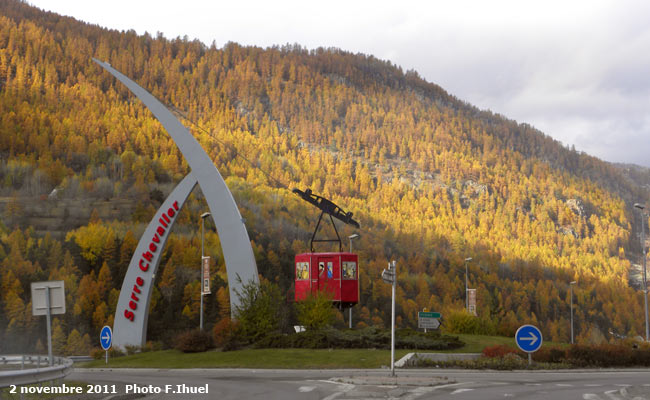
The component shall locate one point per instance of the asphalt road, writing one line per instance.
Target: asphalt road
(368, 384)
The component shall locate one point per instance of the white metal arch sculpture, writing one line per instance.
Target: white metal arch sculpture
(130, 326)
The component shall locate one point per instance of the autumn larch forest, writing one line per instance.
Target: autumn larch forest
(432, 180)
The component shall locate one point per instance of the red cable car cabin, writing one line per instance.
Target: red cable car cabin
(334, 273)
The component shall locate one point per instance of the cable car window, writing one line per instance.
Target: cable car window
(349, 270)
(302, 271)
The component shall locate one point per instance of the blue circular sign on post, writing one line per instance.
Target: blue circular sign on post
(106, 337)
(528, 338)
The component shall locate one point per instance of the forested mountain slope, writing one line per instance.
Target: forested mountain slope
(433, 180)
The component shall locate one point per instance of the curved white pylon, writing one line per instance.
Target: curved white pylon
(235, 243)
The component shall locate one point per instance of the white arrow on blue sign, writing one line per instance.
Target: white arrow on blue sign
(106, 337)
(528, 338)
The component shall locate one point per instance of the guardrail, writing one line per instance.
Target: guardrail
(42, 373)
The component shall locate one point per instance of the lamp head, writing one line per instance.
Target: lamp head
(639, 206)
(573, 282)
(468, 259)
(354, 236)
(205, 215)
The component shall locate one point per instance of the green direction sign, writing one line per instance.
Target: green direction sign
(424, 314)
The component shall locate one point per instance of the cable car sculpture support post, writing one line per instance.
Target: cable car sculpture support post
(335, 273)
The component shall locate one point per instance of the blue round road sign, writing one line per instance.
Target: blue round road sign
(528, 338)
(106, 337)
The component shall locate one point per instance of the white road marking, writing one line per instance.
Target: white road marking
(533, 384)
(461, 390)
(563, 384)
(622, 385)
(305, 389)
(419, 391)
(611, 395)
(591, 396)
(344, 388)
(593, 385)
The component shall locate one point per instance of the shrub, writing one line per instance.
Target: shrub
(499, 350)
(550, 355)
(99, 353)
(224, 331)
(608, 355)
(513, 361)
(152, 346)
(233, 343)
(194, 341)
(508, 362)
(367, 338)
(460, 321)
(316, 311)
(260, 310)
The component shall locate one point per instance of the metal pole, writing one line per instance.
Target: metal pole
(392, 325)
(466, 289)
(107, 357)
(571, 289)
(645, 285)
(350, 319)
(49, 325)
(201, 311)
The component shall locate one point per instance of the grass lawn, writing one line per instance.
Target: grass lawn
(257, 358)
(287, 358)
(476, 343)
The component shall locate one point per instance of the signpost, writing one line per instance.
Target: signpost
(428, 320)
(529, 340)
(48, 298)
(388, 276)
(205, 285)
(471, 300)
(106, 339)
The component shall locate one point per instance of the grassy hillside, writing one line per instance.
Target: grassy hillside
(432, 179)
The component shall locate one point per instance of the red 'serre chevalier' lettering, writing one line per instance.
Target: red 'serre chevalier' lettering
(147, 256)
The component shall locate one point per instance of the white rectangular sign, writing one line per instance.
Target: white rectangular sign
(205, 276)
(428, 323)
(57, 297)
(472, 301)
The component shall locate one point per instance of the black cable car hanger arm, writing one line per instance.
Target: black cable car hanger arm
(327, 207)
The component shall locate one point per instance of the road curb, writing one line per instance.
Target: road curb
(378, 380)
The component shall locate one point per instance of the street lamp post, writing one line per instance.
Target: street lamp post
(203, 217)
(351, 238)
(571, 290)
(645, 285)
(467, 260)
(392, 324)
(390, 276)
